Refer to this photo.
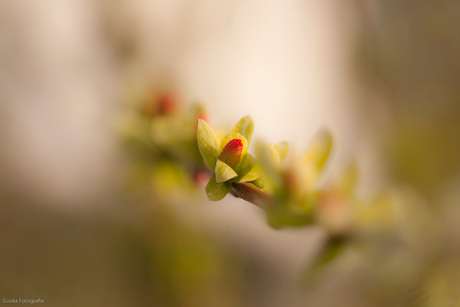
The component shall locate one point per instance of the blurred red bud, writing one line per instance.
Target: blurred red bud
(166, 104)
(201, 178)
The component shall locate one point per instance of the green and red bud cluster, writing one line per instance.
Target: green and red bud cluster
(227, 158)
(161, 135)
(181, 151)
(294, 197)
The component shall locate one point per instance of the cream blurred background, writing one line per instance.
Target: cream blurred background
(284, 63)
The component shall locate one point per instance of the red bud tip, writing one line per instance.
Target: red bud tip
(166, 104)
(231, 153)
(203, 117)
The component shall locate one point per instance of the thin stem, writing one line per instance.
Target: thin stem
(252, 194)
(249, 193)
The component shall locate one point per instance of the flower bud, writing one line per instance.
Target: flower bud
(231, 153)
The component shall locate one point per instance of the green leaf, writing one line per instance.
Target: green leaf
(252, 175)
(163, 131)
(319, 150)
(282, 148)
(224, 172)
(284, 218)
(217, 191)
(269, 166)
(245, 127)
(275, 154)
(246, 164)
(207, 143)
(333, 248)
(349, 178)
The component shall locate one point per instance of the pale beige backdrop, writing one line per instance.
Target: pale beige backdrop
(286, 63)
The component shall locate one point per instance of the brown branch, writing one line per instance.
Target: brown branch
(252, 194)
(249, 193)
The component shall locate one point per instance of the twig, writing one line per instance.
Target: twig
(252, 194)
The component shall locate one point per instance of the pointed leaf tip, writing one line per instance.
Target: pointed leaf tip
(224, 172)
(319, 150)
(245, 127)
(275, 154)
(267, 158)
(282, 148)
(252, 174)
(208, 143)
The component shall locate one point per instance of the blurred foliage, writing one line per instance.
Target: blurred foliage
(182, 266)
(168, 150)
(161, 142)
(409, 56)
(407, 61)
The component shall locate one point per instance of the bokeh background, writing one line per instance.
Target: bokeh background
(383, 76)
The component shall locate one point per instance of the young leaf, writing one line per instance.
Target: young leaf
(217, 191)
(246, 164)
(163, 130)
(319, 150)
(282, 148)
(275, 154)
(224, 172)
(252, 175)
(245, 127)
(333, 248)
(349, 178)
(269, 166)
(279, 219)
(207, 143)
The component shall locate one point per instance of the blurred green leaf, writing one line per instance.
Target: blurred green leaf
(285, 218)
(349, 178)
(282, 148)
(269, 165)
(318, 151)
(333, 248)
